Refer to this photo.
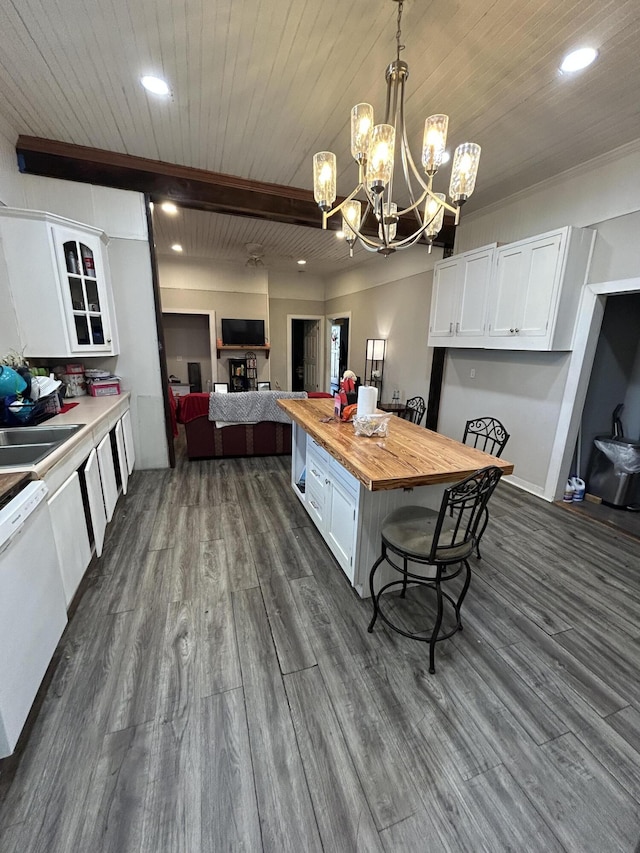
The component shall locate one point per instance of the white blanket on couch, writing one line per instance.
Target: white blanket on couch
(250, 407)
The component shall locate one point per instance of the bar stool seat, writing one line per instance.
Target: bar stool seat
(443, 540)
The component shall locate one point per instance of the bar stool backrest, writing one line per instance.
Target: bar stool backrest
(462, 507)
(487, 434)
(415, 410)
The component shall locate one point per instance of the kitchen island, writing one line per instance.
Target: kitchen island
(349, 483)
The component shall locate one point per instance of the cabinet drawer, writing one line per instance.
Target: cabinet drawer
(315, 502)
(316, 450)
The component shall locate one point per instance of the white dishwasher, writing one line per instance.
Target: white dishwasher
(33, 613)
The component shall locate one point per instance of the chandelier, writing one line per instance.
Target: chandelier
(373, 147)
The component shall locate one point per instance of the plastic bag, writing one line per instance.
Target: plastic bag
(371, 425)
(624, 455)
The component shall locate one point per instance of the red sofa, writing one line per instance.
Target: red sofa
(206, 441)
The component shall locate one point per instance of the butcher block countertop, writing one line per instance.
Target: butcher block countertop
(409, 456)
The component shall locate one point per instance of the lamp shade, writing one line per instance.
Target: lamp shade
(381, 156)
(464, 171)
(434, 215)
(375, 349)
(324, 179)
(434, 142)
(351, 215)
(361, 130)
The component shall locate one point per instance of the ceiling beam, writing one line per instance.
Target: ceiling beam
(188, 187)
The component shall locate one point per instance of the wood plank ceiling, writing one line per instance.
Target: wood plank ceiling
(259, 85)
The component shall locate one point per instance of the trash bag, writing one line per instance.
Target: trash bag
(624, 455)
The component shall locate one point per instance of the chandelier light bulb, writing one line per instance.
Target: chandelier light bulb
(361, 131)
(351, 215)
(324, 179)
(381, 157)
(390, 219)
(464, 172)
(434, 142)
(434, 215)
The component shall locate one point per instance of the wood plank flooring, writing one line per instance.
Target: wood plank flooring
(217, 690)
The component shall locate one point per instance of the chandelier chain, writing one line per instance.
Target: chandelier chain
(399, 30)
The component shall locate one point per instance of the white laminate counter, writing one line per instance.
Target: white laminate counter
(98, 415)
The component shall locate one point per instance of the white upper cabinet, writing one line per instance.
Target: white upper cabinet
(520, 296)
(535, 294)
(459, 302)
(59, 283)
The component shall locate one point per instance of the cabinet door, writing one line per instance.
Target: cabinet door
(107, 476)
(128, 440)
(511, 271)
(96, 501)
(122, 457)
(84, 291)
(540, 288)
(444, 300)
(341, 527)
(70, 534)
(474, 286)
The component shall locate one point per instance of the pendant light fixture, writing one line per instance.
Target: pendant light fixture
(375, 148)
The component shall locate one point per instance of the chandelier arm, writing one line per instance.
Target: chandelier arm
(326, 215)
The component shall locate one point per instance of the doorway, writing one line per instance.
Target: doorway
(305, 364)
(189, 345)
(339, 350)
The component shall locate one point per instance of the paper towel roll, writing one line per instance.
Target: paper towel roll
(367, 399)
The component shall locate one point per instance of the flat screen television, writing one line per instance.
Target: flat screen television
(243, 333)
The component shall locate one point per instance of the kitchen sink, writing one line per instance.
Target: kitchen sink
(30, 445)
(10, 436)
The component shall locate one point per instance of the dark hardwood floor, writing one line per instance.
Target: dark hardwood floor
(217, 690)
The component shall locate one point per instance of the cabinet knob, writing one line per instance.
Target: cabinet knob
(512, 331)
(517, 330)
(326, 482)
(457, 328)
(108, 340)
(450, 328)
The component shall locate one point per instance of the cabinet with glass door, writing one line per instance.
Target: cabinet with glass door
(57, 282)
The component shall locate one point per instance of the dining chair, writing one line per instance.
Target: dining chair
(442, 539)
(414, 411)
(490, 436)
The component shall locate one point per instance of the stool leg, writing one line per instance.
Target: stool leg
(404, 581)
(374, 597)
(463, 593)
(481, 534)
(436, 627)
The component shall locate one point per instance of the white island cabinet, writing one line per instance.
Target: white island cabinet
(59, 284)
(349, 483)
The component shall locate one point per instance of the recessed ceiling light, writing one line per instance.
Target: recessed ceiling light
(445, 157)
(155, 85)
(340, 235)
(578, 59)
(169, 207)
(177, 247)
(301, 262)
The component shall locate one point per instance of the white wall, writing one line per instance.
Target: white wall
(603, 194)
(121, 215)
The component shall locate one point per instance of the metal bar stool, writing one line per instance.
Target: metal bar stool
(444, 540)
(414, 410)
(490, 436)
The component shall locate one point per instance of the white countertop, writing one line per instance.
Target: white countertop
(98, 415)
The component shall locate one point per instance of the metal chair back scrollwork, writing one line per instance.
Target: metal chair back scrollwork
(415, 409)
(490, 436)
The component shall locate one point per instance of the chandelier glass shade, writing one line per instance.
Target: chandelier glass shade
(377, 150)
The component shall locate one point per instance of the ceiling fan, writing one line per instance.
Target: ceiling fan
(256, 253)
